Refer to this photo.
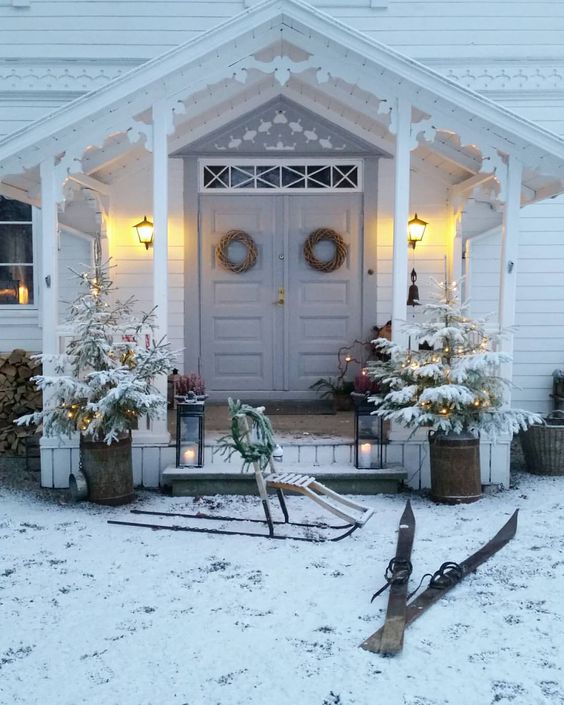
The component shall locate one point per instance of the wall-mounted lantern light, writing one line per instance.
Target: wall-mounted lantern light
(145, 231)
(415, 230)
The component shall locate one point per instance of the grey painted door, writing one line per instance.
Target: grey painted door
(324, 308)
(251, 342)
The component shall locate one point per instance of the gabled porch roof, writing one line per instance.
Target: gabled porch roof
(286, 47)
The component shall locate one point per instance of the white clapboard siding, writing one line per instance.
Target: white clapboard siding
(75, 255)
(131, 199)
(142, 29)
(16, 112)
(428, 197)
(539, 337)
(19, 329)
(547, 111)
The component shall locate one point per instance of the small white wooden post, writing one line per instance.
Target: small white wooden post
(49, 290)
(508, 260)
(160, 245)
(401, 216)
(457, 252)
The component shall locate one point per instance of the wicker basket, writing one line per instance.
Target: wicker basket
(543, 446)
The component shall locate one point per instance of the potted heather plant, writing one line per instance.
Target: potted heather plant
(190, 383)
(104, 383)
(448, 383)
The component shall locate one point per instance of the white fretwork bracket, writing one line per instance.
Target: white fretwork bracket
(282, 67)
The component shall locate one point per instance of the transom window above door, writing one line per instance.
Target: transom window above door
(288, 176)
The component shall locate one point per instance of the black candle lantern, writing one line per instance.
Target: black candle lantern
(190, 432)
(368, 433)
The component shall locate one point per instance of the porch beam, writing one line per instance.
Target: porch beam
(470, 184)
(91, 183)
(160, 242)
(509, 260)
(401, 216)
(18, 194)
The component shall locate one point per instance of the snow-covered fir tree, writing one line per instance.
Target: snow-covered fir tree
(104, 380)
(448, 379)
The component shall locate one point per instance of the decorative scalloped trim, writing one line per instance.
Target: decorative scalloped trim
(41, 77)
(509, 78)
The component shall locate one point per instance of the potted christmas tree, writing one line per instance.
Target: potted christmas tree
(447, 381)
(103, 385)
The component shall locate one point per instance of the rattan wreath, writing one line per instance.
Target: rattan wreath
(339, 255)
(222, 251)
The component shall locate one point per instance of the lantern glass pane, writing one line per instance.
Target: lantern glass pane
(190, 429)
(189, 440)
(368, 426)
(368, 441)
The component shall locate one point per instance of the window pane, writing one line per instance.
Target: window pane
(345, 176)
(16, 285)
(269, 176)
(16, 244)
(293, 176)
(14, 210)
(318, 177)
(242, 177)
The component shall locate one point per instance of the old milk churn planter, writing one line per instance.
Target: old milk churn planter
(104, 385)
(446, 381)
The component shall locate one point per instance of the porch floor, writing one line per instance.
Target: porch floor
(290, 428)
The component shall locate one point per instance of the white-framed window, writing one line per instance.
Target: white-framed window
(17, 281)
(280, 175)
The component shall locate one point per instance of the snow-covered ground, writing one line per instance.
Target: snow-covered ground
(111, 615)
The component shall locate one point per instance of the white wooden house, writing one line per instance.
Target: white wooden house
(277, 118)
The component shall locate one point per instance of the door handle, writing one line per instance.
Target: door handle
(281, 297)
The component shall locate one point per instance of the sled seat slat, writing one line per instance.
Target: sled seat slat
(329, 499)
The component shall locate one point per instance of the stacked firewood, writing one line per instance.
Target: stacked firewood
(18, 396)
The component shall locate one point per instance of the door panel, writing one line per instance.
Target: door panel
(237, 311)
(323, 307)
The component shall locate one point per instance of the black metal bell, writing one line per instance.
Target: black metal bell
(413, 293)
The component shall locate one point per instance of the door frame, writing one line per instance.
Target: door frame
(192, 272)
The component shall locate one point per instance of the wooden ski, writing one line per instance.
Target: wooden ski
(449, 575)
(390, 637)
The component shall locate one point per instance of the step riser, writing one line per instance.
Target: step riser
(310, 455)
(247, 486)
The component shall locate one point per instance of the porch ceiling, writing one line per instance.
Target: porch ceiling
(287, 48)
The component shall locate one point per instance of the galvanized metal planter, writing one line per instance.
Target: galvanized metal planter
(108, 470)
(455, 468)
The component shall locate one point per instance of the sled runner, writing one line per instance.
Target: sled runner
(252, 437)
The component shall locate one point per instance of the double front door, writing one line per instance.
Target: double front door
(277, 327)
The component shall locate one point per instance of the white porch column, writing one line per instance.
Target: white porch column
(457, 251)
(508, 260)
(401, 216)
(160, 244)
(49, 256)
(49, 293)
